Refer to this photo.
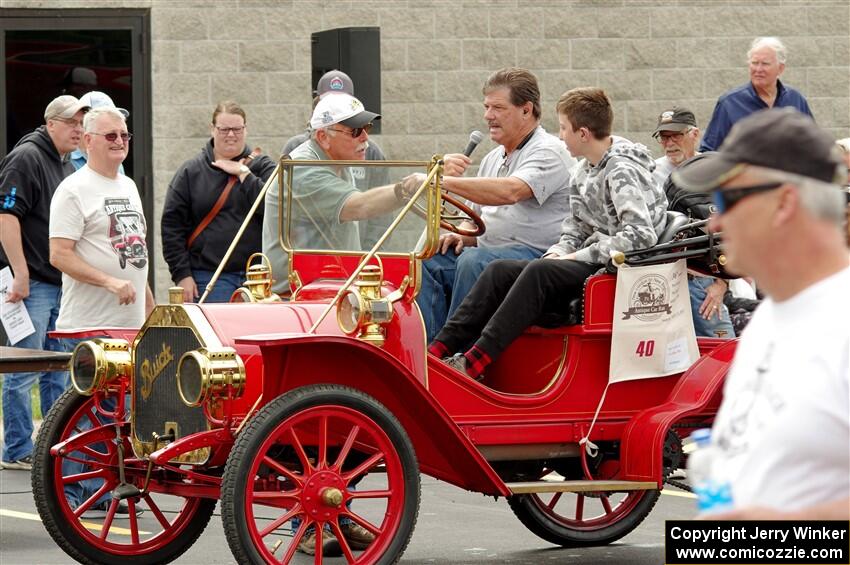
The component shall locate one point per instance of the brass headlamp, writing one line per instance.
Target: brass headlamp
(97, 362)
(258, 282)
(363, 310)
(205, 373)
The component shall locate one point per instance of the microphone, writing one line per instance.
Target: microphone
(475, 138)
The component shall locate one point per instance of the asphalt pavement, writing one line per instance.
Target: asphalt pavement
(454, 526)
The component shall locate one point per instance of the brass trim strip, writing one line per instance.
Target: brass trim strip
(579, 486)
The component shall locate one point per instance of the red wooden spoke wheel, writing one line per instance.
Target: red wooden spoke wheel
(583, 519)
(315, 459)
(66, 486)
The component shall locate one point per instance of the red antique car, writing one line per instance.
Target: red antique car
(326, 406)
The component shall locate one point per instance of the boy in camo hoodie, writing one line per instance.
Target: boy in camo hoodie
(615, 205)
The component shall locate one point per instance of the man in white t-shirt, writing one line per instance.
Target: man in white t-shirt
(97, 240)
(783, 429)
(97, 234)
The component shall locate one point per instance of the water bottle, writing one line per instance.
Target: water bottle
(713, 494)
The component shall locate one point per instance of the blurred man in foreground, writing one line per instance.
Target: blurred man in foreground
(783, 429)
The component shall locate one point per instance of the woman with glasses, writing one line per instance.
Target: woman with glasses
(206, 203)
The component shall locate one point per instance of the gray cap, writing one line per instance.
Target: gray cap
(334, 81)
(64, 107)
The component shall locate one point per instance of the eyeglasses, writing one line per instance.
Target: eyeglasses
(70, 122)
(663, 138)
(724, 200)
(112, 137)
(355, 132)
(227, 131)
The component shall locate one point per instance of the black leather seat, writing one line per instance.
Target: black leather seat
(675, 222)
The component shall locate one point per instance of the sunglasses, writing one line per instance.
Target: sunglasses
(724, 200)
(112, 137)
(355, 132)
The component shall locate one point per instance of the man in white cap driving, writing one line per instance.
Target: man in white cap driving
(337, 82)
(326, 202)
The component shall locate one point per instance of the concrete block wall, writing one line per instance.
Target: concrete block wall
(648, 55)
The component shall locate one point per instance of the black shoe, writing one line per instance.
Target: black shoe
(102, 509)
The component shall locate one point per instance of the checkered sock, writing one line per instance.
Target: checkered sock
(477, 360)
(438, 349)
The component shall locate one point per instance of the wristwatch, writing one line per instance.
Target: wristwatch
(244, 170)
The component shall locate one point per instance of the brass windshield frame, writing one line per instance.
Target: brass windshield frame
(433, 169)
(430, 186)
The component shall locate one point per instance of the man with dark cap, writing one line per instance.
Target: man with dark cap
(678, 135)
(785, 417)
(29, 176)
(337, 82)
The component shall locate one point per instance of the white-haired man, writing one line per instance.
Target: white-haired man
(98, 242)
(783, 429)
(326, 202)
(766, 59)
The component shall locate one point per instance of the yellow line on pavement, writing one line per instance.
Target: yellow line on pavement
(678, 493)
(88, 525)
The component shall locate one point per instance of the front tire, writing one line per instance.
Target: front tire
(168, 526)
(299, 458)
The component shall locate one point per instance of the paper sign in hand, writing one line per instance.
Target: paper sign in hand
(15, 318)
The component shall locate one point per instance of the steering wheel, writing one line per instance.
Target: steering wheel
(452, 222)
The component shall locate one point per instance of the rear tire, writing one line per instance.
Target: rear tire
(549, 519)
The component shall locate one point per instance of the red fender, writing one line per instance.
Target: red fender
(643, 439)
(443, 451)
(104, 433)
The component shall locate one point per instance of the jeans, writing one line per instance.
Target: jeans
(224, 285)
(447, 279)
(78, 492)
(43, 307)
(510, 296)
(720, 324)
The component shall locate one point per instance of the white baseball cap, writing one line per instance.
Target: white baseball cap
(342, 109)
(97, 99)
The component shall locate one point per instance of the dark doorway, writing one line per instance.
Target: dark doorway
(46, 53)
(42, 64)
